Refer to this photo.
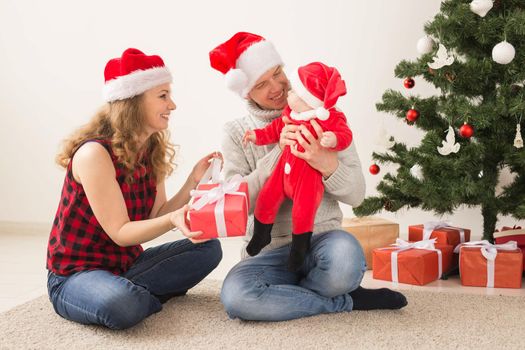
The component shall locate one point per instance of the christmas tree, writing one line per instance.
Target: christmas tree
(474, 54)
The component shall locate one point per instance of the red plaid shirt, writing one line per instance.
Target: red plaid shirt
(77, 241)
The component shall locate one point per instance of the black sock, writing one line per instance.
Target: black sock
(298, 250)
(372, 299)
(261, 237)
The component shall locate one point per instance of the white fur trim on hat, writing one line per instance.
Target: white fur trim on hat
(135, 83)
(302, 92)
(255, 61)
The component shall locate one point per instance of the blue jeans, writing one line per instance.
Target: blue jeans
(118, 302)
(261, 288)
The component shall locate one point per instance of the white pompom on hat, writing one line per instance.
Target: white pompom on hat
(243, 59)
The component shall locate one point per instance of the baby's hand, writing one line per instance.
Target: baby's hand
(328, 140)
(249, 136)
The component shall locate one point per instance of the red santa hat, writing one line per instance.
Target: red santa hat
(319, 86)
(243, 59)
(132, 74)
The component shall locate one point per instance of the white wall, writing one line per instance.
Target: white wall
(53, 53)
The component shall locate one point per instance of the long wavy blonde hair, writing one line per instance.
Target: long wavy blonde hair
(121, 122)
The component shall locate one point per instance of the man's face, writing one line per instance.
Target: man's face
(271, 89)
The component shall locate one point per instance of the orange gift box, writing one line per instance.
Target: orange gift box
(234, 215)
(443, 235)
(415, 266)
(474, 268)
(512, 234)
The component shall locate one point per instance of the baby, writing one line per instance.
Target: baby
(315, 89)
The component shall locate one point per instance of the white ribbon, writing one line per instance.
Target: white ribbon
(213, 173)
(429, 227)
(489, 251)
(402, 245)
(217, 194)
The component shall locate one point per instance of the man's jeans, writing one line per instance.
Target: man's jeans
(118, 302)
(261, 288)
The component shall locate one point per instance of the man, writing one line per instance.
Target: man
(261, 287)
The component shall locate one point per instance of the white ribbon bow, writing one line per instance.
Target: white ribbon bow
(489, 251)
(429, 227)
(403, 245)
(217, 194)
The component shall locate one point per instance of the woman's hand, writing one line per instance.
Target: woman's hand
(319, 157)
(287, 137)
(200, 168)
(179, 218)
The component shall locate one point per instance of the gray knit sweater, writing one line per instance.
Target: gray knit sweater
(256, 163)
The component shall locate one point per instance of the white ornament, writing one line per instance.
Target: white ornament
(476, 100)
(449, 145)
(442, 58)
(503, 53)
(480, 175)
(425, 45)
(481, 7)
(383, 139)
(518, 141)
(417, 172)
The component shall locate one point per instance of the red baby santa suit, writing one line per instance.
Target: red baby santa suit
(320, 87)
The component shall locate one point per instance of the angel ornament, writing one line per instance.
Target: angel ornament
(417, 172)
(384, 140)
(518, 141)
(441, 59)
(449, 144)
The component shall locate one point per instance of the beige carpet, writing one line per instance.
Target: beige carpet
(198, 321)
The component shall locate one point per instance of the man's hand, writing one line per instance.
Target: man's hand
(319, 157)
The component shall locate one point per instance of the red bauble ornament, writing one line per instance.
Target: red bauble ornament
(409, 83)
(466, 131)
(412, 114)
(374, 169)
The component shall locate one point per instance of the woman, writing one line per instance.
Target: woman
(114, 199)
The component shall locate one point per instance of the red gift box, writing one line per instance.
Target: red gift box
(221, 219)
(482, 264)
(512, 234)
(443, 233)
(414, 266)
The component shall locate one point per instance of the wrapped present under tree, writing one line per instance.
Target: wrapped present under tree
(416, 263)
(371, 232)
(482, 264)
